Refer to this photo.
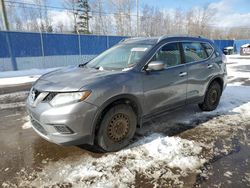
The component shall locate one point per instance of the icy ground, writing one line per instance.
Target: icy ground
(176, 150)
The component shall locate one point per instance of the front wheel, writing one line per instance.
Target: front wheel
(117, 128)
(212, 97)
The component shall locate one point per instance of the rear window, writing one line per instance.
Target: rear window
(194, 51)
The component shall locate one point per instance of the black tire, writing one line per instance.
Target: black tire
(117, 128)
(212, 97)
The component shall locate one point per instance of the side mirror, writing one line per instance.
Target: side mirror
(155, 66)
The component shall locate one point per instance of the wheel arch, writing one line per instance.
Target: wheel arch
(217, 79)
(129, 99)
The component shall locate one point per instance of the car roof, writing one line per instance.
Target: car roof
(155, 40)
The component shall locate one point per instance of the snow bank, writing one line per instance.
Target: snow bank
(21, 77)
(22, 73)
(151, 156)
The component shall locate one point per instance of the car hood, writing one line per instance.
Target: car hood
(70, 79)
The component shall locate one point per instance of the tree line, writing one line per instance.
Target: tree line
(117, 17)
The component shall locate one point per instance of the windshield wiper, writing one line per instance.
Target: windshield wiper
(81, 65)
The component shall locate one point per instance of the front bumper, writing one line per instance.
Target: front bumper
(77, 118)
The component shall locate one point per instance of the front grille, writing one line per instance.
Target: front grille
(36, 92)
(49, 97)
(38, 127)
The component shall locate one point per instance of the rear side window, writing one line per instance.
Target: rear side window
(169, 54)
(194, 51)
(208, 48)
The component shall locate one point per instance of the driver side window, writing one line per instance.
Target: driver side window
(169, 54)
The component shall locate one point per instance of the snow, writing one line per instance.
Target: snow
(18, 98)
(238, 70)
(237, 57)
(156, 152)
(27, 123)
(20, 77)
(30, 72)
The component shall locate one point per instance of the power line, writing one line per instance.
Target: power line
(18, 4)
(36, 6)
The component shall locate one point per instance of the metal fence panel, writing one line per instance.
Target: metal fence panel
(4, 51)
(93, 44)
(60, 44)
(224, 43)
(25, 44)
(112, 40)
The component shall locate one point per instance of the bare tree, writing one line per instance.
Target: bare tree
(146, 21)
(60, 26)
(71, 6)
(100, 22)
(123, 16)
(179, 22)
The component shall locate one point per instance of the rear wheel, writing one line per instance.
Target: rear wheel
(212, 97)
(117, 128)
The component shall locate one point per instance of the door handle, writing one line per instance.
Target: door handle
(209, 66)
(182, 74)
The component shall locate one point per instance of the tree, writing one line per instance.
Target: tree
(71, 5)
(100, 23)
(60, 26)
(43, 16)
(83, 16)
(123, 16)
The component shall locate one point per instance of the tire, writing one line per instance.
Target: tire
(117, 128)
(212, 97)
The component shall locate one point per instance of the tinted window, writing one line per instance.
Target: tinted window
(193, 51)
(169, 55)
(208, 48)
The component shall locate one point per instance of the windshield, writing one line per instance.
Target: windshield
(119, 57)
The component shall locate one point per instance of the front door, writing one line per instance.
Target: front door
(165, 89)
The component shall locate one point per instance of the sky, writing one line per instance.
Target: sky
(229, 13)
(240, 6)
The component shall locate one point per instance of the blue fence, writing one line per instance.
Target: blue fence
(224, 43)
(23, 50)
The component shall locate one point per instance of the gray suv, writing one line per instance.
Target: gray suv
(102, 102)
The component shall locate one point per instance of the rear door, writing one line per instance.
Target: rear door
(165, 89)
(199, 67)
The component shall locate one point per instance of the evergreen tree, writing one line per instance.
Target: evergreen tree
(83, 16)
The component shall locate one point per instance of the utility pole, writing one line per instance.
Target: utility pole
(137, 16)
(4, 16)
(6, 28)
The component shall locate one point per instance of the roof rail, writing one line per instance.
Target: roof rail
(131, 38)
(166, 36)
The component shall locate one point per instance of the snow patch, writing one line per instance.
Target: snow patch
(22, 76)
(27, 124)
(12, 105)
(153, 156)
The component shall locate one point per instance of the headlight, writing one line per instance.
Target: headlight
(68, 98)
